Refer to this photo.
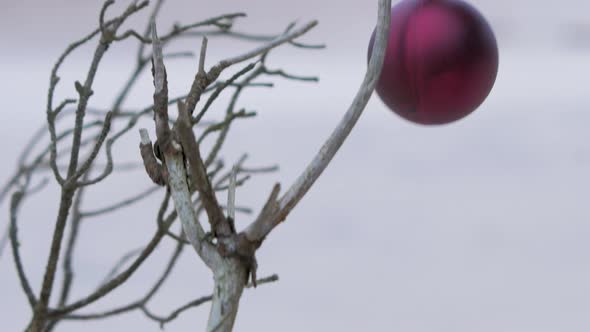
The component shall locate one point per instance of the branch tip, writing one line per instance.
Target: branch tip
(202, 56)
(231, 194)
(158, 60)
(145, 137)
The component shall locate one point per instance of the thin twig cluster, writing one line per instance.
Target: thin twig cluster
(89, 137)
(188, 177)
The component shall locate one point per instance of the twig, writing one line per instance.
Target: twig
(148, 29)
(120, 278)
(282, 73)
(197, 302)
(121, 204)
(202, 56)
(238, 183)
(252, 170)
(286, 38)
(241, 209)
(251, 37)
(229, 113)
(231, 194)
(14, 204)
(174, 314)
(136, 304)
(108, 169)
(51, 115)
(97, 146)
(85, 91)
(162, 320)
(178, 30)
(115, 269)
(219, 89)
(201, 81)
(225, 123)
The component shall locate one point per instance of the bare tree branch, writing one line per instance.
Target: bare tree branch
(203, 80)
(231, 194)
(219, 89)
(69, 186)
(141, 305)
(179, 29)
(120, 263)
(286, 38)
(14, 204)
(174, 161)
(197, 302)
(225, 123)
(192, 180)
(279, 210)
(198, 173)
(122, 204)
(229, 114)
(120, 278)
(97, 146)
(250, 37)
(156, 172)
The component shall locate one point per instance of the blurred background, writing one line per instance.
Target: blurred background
(480, 225)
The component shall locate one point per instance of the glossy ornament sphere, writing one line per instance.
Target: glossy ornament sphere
(441, 61)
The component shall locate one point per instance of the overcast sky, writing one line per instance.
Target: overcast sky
(481, 225)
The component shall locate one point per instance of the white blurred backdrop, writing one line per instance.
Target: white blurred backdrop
(480, 225)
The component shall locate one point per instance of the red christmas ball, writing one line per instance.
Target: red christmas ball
(441, 61)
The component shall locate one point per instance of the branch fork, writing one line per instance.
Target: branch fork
(232, 257)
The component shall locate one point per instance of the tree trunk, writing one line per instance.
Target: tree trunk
(230, 279)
